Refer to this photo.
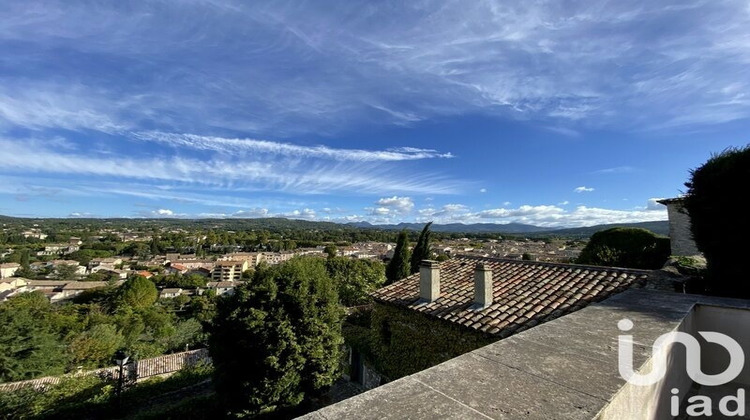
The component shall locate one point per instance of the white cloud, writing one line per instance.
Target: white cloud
(400, 205)
(483, 190)
(227, 172)
(615, 170)
(583, 189)
(251, 213)
(654, 205)
(563, 203)
(46, 105)
(542, 215)
(164, 212)
(448, 213)
(521, 211)
(246, 145)
(306, 214)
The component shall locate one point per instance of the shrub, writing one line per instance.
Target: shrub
(626, 247)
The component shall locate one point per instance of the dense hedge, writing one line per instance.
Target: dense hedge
(719, 221)
(626, 247)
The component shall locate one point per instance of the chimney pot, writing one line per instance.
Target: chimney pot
(429, 280)
(482, 286)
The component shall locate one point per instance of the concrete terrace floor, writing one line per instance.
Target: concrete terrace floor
(563, 369)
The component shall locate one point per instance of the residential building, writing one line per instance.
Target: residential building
(12, 286)
(273, 258)
(175, 268)
(35, 234)
(58, 290)
(453, 307)
(98, 264)
(58, 249)
(194, 264)
(79, 269)
(8, 269)
(252, 258)
(75, 288)
(170, 293)
(221, 287)
(229, 270)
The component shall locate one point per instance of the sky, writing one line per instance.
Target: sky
(554, 113)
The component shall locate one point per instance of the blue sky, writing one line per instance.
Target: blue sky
(551, 113)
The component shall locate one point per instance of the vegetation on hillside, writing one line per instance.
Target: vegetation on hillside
(38, 338)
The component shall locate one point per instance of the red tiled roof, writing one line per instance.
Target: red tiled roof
(525, 293)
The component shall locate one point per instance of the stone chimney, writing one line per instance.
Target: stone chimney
(429, 280)
(482, 286)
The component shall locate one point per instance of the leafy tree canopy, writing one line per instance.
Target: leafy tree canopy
(355, 279)
(138, 292)
(277, 339)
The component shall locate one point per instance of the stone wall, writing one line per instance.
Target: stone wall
(405, 341)
(679, 230)
(139, 370)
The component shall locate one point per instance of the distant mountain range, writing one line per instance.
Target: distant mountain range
(660, 227)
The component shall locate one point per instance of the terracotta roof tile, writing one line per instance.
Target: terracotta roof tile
(525, 293)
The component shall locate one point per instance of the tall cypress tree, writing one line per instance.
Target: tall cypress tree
(25, 259)
(422, 250)
(398, 268)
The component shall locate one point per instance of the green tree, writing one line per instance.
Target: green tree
(29, 342)
(355, 279)
(422, 250)
(138, 292)
(398, 268)
(155, 246)
(330, 250)
(96, 346)
(719, 223)
(277, 339)
(25, 259)
(626, 247)
(65, 271)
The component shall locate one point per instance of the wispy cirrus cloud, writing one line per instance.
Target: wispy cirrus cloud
(615, 170)
(226, 173)
(236, 145)
(583, 189)
(277, 73)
